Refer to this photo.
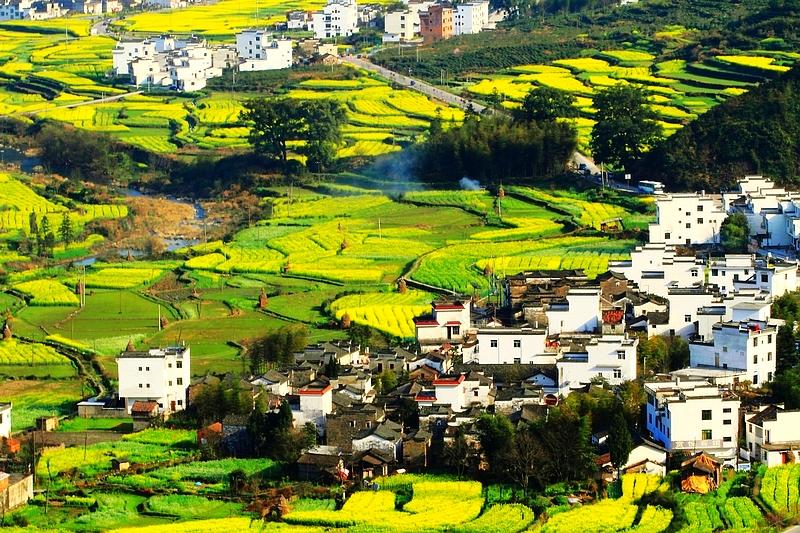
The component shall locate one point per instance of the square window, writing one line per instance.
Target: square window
(705, 414)
(180, 402)
(687, 318)
(517, 361)
(699, 220)
(147, 368)
(140, 385)
(179, 364)
(169, 383)
(706, 434)
(140, 369)
(180, 381)
(617, 373)
(493, 343)
(148, 385)
(517, 343)
(621, 354)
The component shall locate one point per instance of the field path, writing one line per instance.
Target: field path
(79, 104)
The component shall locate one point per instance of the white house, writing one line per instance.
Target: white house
(400, 26)
(687, 218)
(450, 390)
(338, 18)
(316, 402)
(585, 357)
(693, 415)
(5, 419)
(386, 437)
(479, 389)
(747, 347)
(274, 381)
(655, 267)
(580, 311)
(297, 20)
(160, 375)
(448, 323)
(258, 50)
(470, 17)
(773, 436)
(502, 345)
(127, 51)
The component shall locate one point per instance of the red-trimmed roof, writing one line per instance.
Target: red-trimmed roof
(445, 307)
(315, 391)
(453, 323)
(425, 397)
(425, 322)
(449, 380)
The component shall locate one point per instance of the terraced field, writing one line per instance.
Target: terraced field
(679, 90)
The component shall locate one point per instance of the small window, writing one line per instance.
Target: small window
(169, 365)
(517, 361)
(688, 225)
(180, 381)
(493, 343)
(726, 439)
(147, 368)
(695, 273)
(699, 208)
(621, 354)
(140, 385)
(755, 359)
(769, 356)
(764, 278)
(755, 341)
(517, 343)
(148, 385)
(169, 384)
(687, 318)
(667, 236)
(724, 349)
(179, 364)
(705, 414)
(726, 422)
(769, 339)
(699, 220)
(714, 272)
(726, 410)
(617, 373)
(180, 402)
(140, 369)
(706, 434)
(475, 392)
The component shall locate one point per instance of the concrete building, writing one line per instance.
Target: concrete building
(773, 436)
(436, 23)
(159, 375)
(297, 20)
(693, 415)
(502, 345)
(15, 490)
(655, 267)
(579, 311)
(583, 358)
(470, 17)
(338, 18)
(687, 218)
(5, 419)
(316, 402)
(448, 323)
(747, 348)
(258, 50)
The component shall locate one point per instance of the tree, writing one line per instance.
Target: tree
(496, 435)
(276, 122)
(277, 347)
(546, 104)
(457, 452)
(524, 460)
(387, 381)
(620, 443)
(786, 347)
(735, 233)
(32, 224)
(65, 230)
(626, 126)
(786, 388)
(677, 353)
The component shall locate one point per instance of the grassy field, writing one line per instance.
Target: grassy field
(35, 398)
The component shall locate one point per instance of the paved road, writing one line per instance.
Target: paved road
(416, 85)
(79, 104)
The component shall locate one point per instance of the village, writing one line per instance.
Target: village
(553, 336)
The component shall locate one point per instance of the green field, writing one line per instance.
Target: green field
(35, 398)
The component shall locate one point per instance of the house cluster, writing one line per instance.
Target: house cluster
(433, 21)
(31, 10)
(186, 64)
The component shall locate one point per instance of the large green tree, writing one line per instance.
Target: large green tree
(626, 126)
(786, 347)
(735, 233)
(496, 435)
(274, 123)
(277, 348)
(546, 104)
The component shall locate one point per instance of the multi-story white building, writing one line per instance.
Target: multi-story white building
(583, 358)
(693, 415)
(655, 267)
(5, 419)
(160, 375)
(579, 312)
(297, 20)
(400, 26)
(470, 17)
(773, 436)
(746, 348)
(258, 50)
(448, 323)
(30, 10)
(316, 402)
(500, 345)
(338, 18)
(687, 218)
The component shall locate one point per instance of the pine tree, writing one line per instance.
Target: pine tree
(620, 443)
(65, 231)
(32, 224)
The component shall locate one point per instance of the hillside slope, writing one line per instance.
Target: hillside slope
(758, 132)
